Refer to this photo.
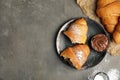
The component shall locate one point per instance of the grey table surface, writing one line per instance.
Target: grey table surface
(28, 30)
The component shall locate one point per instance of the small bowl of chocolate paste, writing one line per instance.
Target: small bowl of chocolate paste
(99, 42)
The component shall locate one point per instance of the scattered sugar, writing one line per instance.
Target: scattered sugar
(75, 29)
(80, 56)
(76, 32)
(113, 74)
(107, 61)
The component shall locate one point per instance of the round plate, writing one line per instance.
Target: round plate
(63, 42)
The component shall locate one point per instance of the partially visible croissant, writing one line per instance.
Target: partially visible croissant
(109, 12)
(116, 33)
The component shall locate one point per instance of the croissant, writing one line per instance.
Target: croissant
(116, 33)
(77, 31)
(109, 12)
(77, 55)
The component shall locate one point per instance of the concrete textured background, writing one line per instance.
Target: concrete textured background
(28, 30)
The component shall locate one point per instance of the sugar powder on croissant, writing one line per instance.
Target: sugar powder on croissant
(77, 31)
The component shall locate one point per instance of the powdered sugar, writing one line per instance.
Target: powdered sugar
(107, 61)
(75, 29)
(113, 74)
(79, 54)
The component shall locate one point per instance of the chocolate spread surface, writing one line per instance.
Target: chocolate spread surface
(99, 42)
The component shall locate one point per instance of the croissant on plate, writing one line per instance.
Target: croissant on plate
(77, 31)
(76, 55)
(109, 12)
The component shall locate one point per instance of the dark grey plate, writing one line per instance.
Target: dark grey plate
(63, 42)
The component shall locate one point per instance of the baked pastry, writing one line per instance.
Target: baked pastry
(77, 55)
(99, 42)
(77, 31)
(116, 33)
(109, 12)
(89, 7)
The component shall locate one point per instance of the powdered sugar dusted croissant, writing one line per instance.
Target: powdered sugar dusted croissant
(77, 31)
(77, 55)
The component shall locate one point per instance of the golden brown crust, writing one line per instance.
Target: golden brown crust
(116, 34)
(109, 12)
(102, 3)
(116, 37)
(77, 54)
(118, 26)
(77, 31)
